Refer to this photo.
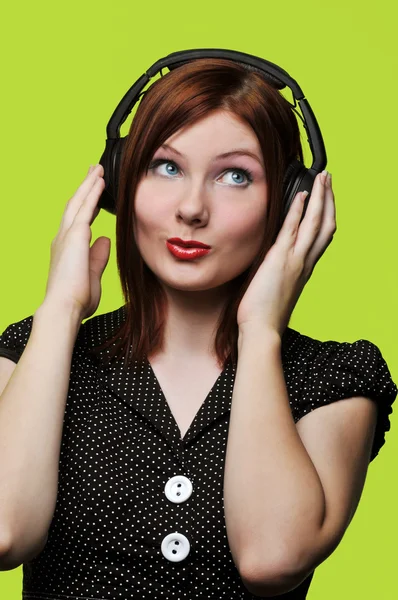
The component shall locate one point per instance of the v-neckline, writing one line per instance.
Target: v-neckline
(201, 408)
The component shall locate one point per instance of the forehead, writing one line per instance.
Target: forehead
(219, 131)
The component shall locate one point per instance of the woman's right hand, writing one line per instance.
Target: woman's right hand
(74, 280)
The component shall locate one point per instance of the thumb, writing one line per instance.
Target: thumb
(99, 255)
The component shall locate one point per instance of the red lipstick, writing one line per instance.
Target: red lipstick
(187, 250)
(187, 243)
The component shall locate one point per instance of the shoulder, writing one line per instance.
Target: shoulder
(320, 372)
(97, 330)
(14, 338)
(92, 332)
(330, 357)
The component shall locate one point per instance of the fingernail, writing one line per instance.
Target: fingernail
(329, 180)
(325, 176)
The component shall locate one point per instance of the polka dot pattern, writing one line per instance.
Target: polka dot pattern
(121, 445)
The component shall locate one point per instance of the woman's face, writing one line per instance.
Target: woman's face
(206, 183)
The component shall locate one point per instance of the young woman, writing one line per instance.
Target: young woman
(189, 444)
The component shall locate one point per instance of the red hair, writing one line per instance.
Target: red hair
(176, 100)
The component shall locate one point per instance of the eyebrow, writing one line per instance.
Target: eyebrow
(236, 152)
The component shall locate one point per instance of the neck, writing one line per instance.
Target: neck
(192, 322)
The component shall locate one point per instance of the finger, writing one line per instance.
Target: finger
(74, 204)
(311, 225)
(83, 189)
(288, 232)
(99, 255)
(95, 214)
(85, 186)
(328, 228)
(88, 209)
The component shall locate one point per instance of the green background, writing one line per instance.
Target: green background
(65, 66)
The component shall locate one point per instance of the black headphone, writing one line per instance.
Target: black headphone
(297, 177)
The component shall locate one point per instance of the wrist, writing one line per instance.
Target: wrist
(56, 313)
(257, 334)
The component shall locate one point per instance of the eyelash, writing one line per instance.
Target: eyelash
(160, 161)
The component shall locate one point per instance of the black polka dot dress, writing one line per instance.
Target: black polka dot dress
(139, 512)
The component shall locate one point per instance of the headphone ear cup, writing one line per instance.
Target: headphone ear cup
(297, 179)
(111, 160)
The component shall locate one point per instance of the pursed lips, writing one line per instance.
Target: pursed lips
(188, 243)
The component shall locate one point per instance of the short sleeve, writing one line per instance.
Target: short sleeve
(14, 338)
(338, 370)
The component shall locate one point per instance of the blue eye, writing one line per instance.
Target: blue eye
(241, 177)
(169, 168)
(238, 177)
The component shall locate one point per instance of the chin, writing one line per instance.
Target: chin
(184, 278)
(185, 285)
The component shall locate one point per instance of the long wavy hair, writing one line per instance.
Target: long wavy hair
(176, 100)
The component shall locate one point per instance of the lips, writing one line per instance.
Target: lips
(184, 253)
(188, 243)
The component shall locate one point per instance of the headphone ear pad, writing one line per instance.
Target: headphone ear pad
(297, 179)
(111, 160)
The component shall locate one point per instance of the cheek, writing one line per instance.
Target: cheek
(150, 212)
(245, 219)
(246, 227)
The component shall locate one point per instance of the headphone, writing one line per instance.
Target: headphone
(297, 177)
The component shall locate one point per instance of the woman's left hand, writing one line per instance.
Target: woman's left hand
(276, 287)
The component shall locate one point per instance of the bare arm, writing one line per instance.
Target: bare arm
(32, 404)
(32, 407)
(289, 491)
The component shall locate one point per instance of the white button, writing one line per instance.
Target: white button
(178, 489)
(175, 547)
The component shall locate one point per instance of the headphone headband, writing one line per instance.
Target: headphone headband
(175, 59)
(298, 174)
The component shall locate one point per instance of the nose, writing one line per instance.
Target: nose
(192, 206)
